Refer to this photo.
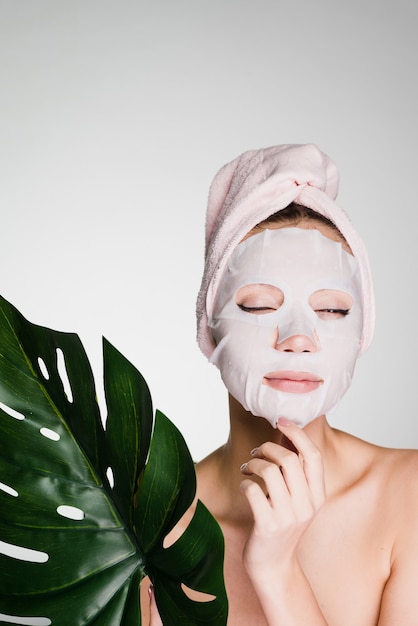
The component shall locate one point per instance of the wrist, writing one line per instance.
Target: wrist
(285, 594)
(272, 577)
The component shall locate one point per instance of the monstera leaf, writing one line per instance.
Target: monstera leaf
(84, 509)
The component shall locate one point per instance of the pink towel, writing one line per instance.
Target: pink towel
(252, 187)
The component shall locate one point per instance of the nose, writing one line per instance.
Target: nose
(296, 343)
(296, 330)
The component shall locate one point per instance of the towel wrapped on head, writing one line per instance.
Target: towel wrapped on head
(252, 187)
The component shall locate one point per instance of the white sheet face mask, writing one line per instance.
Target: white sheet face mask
(287, 322)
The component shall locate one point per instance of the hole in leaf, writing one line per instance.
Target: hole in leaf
(25, 621)
(9, 490)
(50, 434)
(23, 554)
(110, 477)
(71, 512)
(43, 368)
(176, 532)
(62, 370)
(197, 596)
(12, 412)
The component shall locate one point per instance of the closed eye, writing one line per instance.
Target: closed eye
(259, 299)
(256, 309)
(331, 304)
(327, 314)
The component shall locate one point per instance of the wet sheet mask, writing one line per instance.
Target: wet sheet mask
(287, 322)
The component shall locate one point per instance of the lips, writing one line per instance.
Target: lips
(292, 381)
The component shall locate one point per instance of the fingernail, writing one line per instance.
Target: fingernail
(283, 421)
(253, 451)
(243, 466)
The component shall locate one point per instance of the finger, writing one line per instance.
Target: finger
(291, 469)
(271, 475)
(312, 458)
(294, 508)
(282, 472)
(259, 503)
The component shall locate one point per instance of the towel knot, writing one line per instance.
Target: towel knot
(252, 187)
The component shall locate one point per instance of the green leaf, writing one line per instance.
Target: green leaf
(83, 564)
(129, 425)
(170, 470)
(196, 568)
(197, 557)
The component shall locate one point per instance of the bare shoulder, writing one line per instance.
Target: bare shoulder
(405, 486)
(399, 467)
(394, 466)
(388, 476)
(394, 474)
(399, 496)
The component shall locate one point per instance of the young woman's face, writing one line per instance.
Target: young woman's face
(287, 322)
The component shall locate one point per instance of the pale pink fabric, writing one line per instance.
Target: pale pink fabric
(252, 187)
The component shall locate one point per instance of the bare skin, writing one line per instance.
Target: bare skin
(319, 531)
(354, 558)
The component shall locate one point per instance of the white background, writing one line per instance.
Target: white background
(114, 118)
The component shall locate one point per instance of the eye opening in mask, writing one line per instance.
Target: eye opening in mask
(259, 299)
(331, 304)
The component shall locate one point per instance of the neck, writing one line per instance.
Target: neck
(248, 432)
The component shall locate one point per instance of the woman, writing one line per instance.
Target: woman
(320, 527)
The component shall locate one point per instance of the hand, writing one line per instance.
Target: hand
(284, 502)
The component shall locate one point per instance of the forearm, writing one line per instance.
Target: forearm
(296, 492)
(286, 597)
